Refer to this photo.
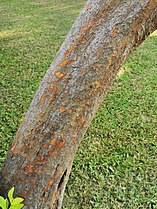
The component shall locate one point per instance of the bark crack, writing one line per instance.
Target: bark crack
(62, 180)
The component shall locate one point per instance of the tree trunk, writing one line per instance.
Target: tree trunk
(40, 159)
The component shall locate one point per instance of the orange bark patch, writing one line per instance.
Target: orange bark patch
(70, 111)
(85, 28)
(64, 63)
(26, 195)
(137, 26)
(33, 182)
(12, 147)
(50, 182)
(75, 131)
(88, 6)
(50, 152)
(42, 98)
(114, 31)
(41, 159)
(73, 138)
(69, 51)
(80, 122)
(62, 109)
(57, 145)
(84, 32)
(105, 9)
(53, 141)
(96, 84)
(58, 74)
(45, 145)
(53, 89)
(29, 169)
(123, 43)
(60, 145)
(114, 3)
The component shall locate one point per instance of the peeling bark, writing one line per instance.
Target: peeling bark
(39, 161)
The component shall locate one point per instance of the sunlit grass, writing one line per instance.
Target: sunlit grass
(154, 33)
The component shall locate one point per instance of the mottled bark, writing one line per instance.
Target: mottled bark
(40, 159)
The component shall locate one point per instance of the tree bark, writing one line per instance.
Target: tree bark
(39, 161)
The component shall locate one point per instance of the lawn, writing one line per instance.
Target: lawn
(116, 165)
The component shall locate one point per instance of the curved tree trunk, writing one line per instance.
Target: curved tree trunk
(40, 159)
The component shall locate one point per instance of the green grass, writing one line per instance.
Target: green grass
(116, 165)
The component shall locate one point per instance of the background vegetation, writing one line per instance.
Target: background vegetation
(116, 165)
